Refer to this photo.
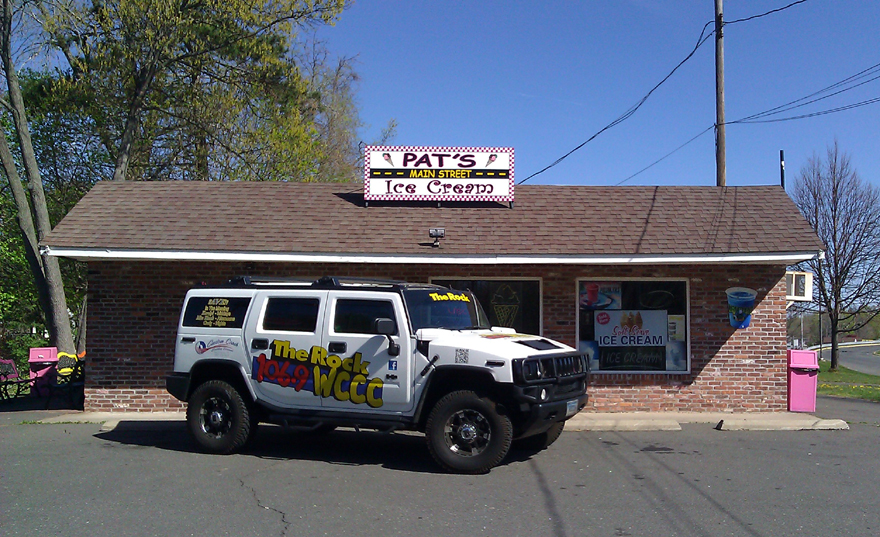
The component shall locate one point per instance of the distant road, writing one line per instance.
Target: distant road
(857, 357)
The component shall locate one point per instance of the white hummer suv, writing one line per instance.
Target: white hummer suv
(369, 354)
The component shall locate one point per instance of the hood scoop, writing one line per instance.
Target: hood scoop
(539, 344)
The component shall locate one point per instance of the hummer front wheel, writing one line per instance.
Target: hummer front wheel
(466, 433)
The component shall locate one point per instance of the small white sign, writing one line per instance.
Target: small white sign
(418, 173)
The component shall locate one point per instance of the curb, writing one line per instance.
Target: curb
(672, 421)
(110, 420)
(585, 421)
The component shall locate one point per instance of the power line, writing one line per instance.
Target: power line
(754, 118)
(819, 113)
(798, 103)
(632, 110)
(667, 155)
(771, 12)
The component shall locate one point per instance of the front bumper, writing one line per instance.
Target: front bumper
(538, 417)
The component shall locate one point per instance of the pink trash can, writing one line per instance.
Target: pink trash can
(803, 379)
(42, 361)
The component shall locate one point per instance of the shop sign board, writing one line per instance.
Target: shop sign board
(419, 173)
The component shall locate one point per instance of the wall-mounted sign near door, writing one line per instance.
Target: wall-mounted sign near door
(416, 173)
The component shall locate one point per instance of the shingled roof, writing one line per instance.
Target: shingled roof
(330, 222)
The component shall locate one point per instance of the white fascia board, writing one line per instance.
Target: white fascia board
(94, 254)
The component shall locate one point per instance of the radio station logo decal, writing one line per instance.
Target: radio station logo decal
(324, 375)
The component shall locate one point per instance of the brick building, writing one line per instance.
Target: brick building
(561, 262)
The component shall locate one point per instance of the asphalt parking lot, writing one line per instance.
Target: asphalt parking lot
(148, 479)
(859, 357)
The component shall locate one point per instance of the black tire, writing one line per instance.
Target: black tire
(218, 417)
(466, 434)
(540, 441)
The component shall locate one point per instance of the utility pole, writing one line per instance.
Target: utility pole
(720, 142)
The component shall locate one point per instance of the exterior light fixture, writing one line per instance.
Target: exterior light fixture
(437, 233)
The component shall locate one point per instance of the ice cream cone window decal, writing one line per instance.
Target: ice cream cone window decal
(508, 303)
(633, 325)
(505, 304)
(424, 173)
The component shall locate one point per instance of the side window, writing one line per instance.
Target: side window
(291, 314)
(357, 316)
(216, 312)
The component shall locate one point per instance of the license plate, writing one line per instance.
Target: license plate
(571, 408)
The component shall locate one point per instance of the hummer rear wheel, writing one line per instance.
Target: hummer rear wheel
(218, 417)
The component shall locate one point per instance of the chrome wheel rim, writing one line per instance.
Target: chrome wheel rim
(467, 433)
(215, 417)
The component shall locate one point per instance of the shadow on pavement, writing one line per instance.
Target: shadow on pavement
(397, 451)
(27, 408)
(28, 403)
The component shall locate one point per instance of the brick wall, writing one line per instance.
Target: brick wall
(134, 309)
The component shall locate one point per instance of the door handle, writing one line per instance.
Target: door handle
(259, 344)
(390, 377)
(188, 340)
(337, 347)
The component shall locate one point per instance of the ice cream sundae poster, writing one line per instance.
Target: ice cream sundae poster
(422, 173)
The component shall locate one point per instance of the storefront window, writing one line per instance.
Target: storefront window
(510, 303)
(634, 326)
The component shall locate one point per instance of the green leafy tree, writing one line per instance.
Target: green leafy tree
(158, 89)
(209, 88)
(21, 320)
(32, 210)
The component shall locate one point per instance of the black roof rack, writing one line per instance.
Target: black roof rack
(326, 282)
(250, 281)
(334, 282)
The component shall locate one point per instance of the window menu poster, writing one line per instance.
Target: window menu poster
(631, 326)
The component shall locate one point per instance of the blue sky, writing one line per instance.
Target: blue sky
(544, 76)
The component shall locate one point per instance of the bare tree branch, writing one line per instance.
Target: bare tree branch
(844, 211)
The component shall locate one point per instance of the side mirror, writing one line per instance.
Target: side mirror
(386, 327)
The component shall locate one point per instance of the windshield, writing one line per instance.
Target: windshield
(443, 308)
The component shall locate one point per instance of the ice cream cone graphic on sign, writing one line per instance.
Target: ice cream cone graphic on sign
(492, 158)
(387, 157)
